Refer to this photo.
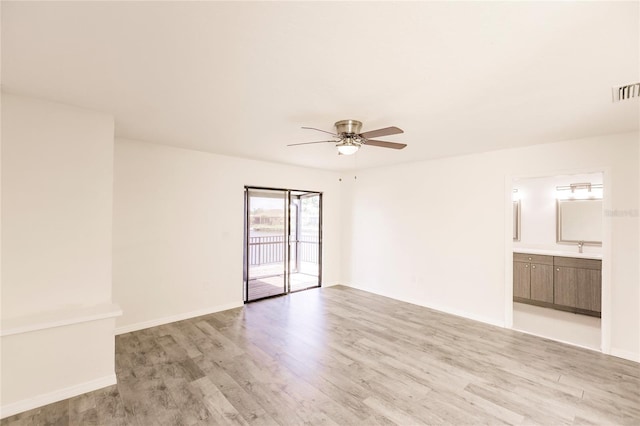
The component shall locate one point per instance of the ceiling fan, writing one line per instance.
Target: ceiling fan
(349, 139)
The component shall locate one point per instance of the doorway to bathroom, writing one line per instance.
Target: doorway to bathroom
(282, 242)
(557, 257)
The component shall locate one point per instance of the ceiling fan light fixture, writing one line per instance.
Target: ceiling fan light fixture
(348, 147)
(348, 138)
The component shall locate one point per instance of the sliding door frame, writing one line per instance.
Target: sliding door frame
(287, 242)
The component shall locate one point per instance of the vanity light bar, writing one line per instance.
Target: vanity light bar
(575, 186)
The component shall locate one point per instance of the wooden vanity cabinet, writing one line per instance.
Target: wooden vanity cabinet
(521, 280)
(542, 282)
(533, 277)
(565, 290)
(578, 284)
(558, 282)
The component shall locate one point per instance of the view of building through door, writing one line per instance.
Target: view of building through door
(282, 249)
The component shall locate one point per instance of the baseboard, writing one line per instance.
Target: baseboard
(628, 355)
(173, 318)
(55, 396)
(438, 308)
(466, 315)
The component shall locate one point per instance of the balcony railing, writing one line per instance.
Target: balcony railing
(265, 250)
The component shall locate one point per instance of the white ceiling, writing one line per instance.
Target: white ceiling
(240, 78)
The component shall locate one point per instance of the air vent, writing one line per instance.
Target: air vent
(628, 91)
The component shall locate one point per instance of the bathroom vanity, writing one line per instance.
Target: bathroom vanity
(558, 281)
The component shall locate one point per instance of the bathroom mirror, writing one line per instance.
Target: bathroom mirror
(579, 221)
(516, 220)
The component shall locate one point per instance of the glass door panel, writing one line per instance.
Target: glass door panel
(305, 242)
(266, 248)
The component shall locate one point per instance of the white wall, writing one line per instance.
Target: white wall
(57, 174)
(538, 211)
(433, 232)
(178, 229)
(57, 185)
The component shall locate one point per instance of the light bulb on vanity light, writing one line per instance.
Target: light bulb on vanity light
(579, 191)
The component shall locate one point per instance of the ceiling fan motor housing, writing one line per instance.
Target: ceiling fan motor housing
(350, 127)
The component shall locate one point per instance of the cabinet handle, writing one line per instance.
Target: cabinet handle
(529, 258)
(533, 267)
(526, 265)
(558, 269)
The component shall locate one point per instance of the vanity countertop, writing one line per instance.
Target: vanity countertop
(559, 253)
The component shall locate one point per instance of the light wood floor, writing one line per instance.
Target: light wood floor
(340, 356)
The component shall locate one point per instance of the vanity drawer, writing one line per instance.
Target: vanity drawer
(533, 258)
(573, 262)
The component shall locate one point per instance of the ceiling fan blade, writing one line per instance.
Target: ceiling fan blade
(384, 144)
(320, 130)
(309, 143)
(382, 132)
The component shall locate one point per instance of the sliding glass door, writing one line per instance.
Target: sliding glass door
(283, 244)
(304, 262)
(265, 252)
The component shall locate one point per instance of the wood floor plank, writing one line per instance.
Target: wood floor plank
(340, 356)
(392, 412)
(217, 404)
(110, 408)
(247, 406)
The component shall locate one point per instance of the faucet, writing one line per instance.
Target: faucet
(580, 244)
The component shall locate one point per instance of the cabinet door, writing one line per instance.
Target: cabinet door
(521, 280)
(542, 282)
(589, 294)
(565, 286)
